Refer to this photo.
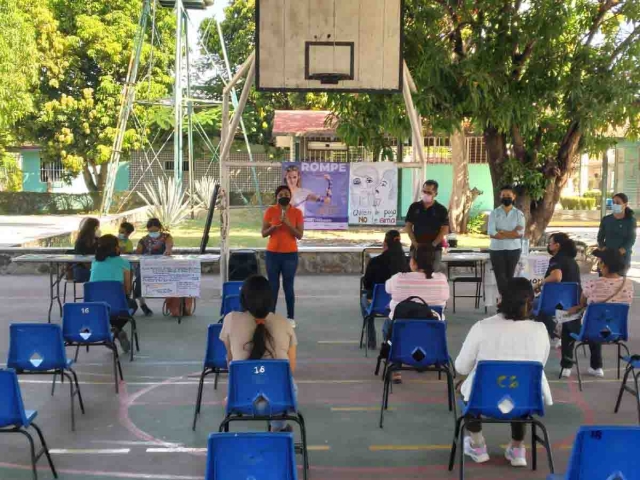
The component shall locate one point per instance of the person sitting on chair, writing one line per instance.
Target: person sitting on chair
(85, 244)
(611, 287)
(256, 333)
(510, 335)
(562, 268)
(110, 266)
(421, 282)
(392, 260)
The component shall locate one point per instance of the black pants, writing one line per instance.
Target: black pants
(549, 322)
(518, 430)
(504, 264)
(568, 344)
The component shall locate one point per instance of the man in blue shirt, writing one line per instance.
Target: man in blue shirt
(506, 228)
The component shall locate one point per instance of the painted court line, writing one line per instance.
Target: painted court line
(358, 409)
(311, 448)
(89, 451)
(407, 448)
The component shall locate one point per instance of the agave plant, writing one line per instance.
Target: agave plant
(203, 191)
(167, 202)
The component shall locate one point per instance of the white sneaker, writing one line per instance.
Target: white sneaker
(556, 343)
(517, 456)
(292, 322)
(598, 372)
(477, 454)
(565, 373)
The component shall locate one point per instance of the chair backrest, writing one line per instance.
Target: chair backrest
(110, 292)
(439, 310)
(11, 406)
(86, 322)
(605, 322)
(216, 355)
(506, 390)
(230, 288)
(419, 343)
(566, 294)
(264, 456)
(261, 387)
(605, 453)
(36, 347)
(379, 301)
(230, 303)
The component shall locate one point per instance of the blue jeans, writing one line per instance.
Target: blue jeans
(284, 264)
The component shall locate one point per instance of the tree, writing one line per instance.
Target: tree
(543, 80)
(84, 57)
(462, 197)
(238, 31)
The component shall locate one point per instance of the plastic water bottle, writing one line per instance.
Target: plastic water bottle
(525, 247)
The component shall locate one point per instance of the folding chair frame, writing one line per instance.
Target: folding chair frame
(461, 424)
(296, 418)
(387, 374)
(134, 334)
(35, 456)
(206, 371)
(73, 380)
(620, 345)
(117, 367)
(477, 278)
(629, 371)
(367, 321)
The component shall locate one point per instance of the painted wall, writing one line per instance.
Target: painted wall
(630, 181)
(479, 177)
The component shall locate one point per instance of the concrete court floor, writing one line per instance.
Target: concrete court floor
(339, 396)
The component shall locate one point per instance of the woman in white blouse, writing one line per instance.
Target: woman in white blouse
(509, 335)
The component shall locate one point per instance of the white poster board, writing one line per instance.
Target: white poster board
(169, 277)
(533, 268)
(373, 193)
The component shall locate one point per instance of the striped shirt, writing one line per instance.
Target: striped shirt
(434, 291)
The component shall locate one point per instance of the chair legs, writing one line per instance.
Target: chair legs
(45, 449)
(73, 380)
(629, 371)
(35, 456)
(203, 375)
(620, 346)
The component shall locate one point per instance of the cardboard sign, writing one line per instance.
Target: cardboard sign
(169, 277)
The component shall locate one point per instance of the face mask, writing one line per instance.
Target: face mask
(284, 201)
(427, 198)
(617, 208)
(122, 236)
(154, 234)
(507, 201)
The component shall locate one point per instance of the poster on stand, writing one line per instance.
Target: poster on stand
(533, 268)
(164, 277)
(320, 191)
(373, 193)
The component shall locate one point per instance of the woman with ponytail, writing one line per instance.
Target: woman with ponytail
(110, 266)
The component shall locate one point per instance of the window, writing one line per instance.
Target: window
(170, 164)
(51, 171)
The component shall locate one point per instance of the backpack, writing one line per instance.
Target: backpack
(412, 308)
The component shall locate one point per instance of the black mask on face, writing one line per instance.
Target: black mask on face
(506, 201)
(284, 201)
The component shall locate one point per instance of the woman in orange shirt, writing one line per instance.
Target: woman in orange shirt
(284, 225)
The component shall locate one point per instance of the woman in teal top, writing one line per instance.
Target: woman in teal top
(618, 230)
(110, 266)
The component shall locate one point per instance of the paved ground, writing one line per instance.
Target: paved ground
(134, 435)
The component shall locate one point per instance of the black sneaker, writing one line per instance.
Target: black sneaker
(147, 311)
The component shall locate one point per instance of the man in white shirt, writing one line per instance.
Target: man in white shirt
(506, 228)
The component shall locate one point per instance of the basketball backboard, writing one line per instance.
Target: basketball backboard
(329, 45)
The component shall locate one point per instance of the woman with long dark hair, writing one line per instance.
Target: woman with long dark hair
(85, 244)
(511, 335)
(392, 260)
(256, 332)
(109, 266)
(618, 230)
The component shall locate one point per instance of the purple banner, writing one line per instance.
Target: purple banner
(321, 191)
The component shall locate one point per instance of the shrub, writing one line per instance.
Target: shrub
(477, 224)
(578, 203)
(167, 202)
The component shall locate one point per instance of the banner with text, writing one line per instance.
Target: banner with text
(320, 190)
(167, 277)
(373, 193)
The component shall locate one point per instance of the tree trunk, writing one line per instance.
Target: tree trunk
(462, 197)
(496, 146)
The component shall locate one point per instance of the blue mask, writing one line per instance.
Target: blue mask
(122, 236)
(154, 234)
(617, 208)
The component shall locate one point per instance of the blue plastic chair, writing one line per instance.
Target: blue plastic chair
(418, 345)
(112, 293)
(633, 370)
(604, 324)
(15, 419)
(378, 308)
(602, 453)
(38, 349)
(263, 390)
(230, 303)
(215, 361)
(229, 288)
(505, 392)
(87, 324)
(566, 294)
(267, 456)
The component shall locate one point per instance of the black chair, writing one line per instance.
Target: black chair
(633, 370)
(243, 264)
(476, 277)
